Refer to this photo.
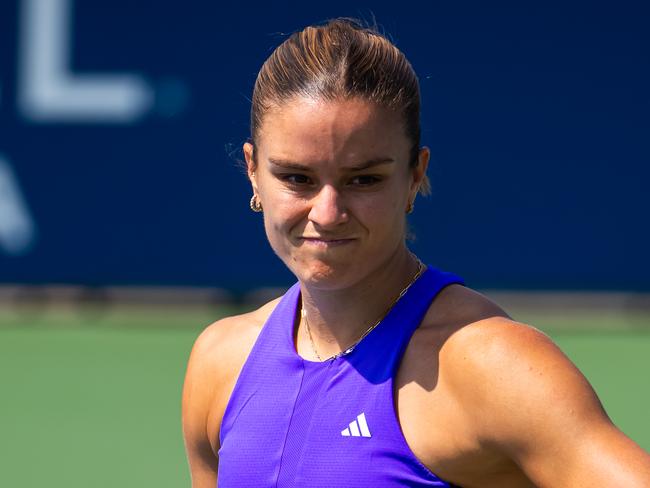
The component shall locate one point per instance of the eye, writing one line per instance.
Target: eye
(295, 179)
(365, 180)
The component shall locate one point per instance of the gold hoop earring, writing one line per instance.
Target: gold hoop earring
(255, 205)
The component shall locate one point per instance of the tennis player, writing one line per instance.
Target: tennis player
(375, 370)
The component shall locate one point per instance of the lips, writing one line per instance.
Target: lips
(326, 241)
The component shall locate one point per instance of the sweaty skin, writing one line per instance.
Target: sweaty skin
(502, 406)
(483, 401)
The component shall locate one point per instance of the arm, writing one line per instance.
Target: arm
(198, 396)
(539, 411)
(216, 360)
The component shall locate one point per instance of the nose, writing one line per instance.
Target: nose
(327, 208)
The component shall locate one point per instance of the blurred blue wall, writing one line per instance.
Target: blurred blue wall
(121, 123)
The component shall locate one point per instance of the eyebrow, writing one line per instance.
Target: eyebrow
(287, 164)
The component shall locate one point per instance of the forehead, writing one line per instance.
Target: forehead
(307, 129)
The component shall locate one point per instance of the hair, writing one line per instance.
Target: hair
(341, 59)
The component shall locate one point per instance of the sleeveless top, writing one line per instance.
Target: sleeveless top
(291, 422)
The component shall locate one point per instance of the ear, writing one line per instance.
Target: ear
(419, 172)
(251, 166)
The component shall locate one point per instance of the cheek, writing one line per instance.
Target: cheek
(280, 220)
(388, 215)
(390, 206)
(275, 235)
(384, 221)
(280, 207)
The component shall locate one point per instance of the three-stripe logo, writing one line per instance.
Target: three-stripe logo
(357, 428)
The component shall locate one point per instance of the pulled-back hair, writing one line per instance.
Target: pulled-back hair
(340, 59)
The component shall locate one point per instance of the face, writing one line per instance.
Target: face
(334, 181)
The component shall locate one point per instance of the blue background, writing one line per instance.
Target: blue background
(537, 115)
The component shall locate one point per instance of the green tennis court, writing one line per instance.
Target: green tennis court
(93, 399)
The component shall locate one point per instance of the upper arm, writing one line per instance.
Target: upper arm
(200, 390)
(534, 405)
(217, 357)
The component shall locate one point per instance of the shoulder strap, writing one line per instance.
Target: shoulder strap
(379, 354)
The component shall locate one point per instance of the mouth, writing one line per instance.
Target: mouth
(325, 242)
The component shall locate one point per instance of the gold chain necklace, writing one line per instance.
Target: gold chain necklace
(303, 314)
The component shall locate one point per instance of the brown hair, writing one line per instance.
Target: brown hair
(340, 59)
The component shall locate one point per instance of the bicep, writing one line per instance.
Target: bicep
(203, 466)
(562, 435)
(542, 413)
(202, 461)
(198, 396)
(582, 448)
(605, 456)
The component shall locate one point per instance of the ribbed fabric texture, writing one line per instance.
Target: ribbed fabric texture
(297, 423)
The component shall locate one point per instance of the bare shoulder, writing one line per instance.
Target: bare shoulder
(497, 354)
(457, 305)
(512, 370)
(513, 398)
(215, 362)
(220, 351)
(523, 396)
(489, 357)
(479, 333)
(224, 344)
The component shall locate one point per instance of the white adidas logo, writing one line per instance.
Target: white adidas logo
(358, 427)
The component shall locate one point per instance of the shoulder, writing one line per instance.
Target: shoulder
(516, 387)
(222, 348)
(217, 357)
(223, 342)
(511, 369)
(477, 329)
(456, 306)
(519, 397)
(497, 354)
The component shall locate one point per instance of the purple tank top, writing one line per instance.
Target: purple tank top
(297, 423)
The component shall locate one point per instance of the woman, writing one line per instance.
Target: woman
(375, 370)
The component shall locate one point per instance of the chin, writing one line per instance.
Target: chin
(327, 276)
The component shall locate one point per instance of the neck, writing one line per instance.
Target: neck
(337, 318)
